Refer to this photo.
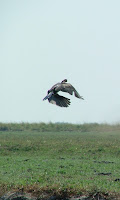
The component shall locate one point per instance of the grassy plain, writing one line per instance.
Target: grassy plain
(74, 161)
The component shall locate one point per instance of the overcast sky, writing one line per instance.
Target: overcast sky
(44, 42)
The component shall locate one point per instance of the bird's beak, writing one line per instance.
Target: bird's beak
(48, 96)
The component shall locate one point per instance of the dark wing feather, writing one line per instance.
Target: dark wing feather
(59, 100)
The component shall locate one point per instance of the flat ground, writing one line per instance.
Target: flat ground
(67, 161)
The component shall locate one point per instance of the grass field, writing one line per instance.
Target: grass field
(73, 161)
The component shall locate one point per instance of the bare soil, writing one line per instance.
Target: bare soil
(20, 195)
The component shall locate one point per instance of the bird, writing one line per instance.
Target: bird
(54, 98)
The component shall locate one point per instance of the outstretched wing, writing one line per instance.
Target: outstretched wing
(67, 87)
(59, 100)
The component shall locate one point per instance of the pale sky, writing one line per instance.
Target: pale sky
(44, 42)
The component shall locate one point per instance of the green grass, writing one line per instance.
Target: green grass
(74, 161)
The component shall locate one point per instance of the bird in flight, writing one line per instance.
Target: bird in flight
(54, 98)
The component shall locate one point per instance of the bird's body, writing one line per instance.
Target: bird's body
(54, 98)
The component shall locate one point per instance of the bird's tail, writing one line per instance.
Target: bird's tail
(48, 96)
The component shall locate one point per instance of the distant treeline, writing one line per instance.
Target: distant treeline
(52, 127)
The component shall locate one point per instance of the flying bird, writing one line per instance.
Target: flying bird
(54, 98)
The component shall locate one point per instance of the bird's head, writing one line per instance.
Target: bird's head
(64, 81)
